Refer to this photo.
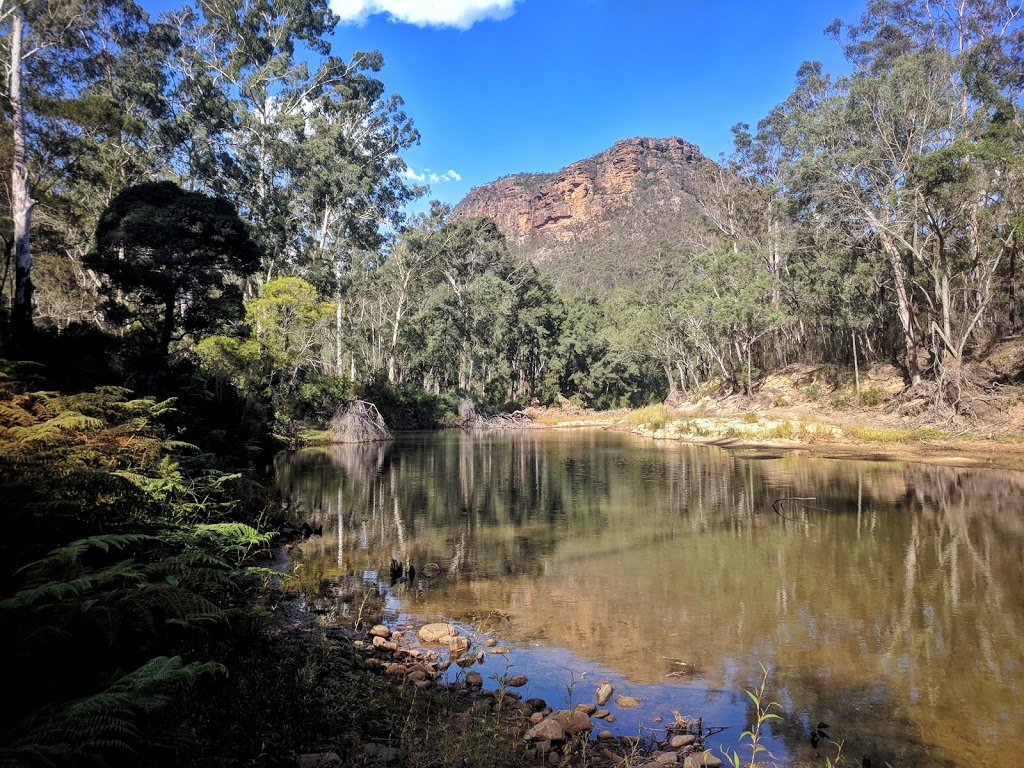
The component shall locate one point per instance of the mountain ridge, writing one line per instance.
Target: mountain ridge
(630, 195)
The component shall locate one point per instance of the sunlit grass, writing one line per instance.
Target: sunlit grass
(892, 434)
(652, 417)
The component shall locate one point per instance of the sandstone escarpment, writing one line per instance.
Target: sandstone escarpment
(634, 192)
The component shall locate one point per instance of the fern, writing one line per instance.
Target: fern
(105, 724)
(72, 553)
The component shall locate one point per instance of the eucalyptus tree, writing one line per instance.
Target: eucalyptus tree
(891, 155)
(306, 143)
(73, 87)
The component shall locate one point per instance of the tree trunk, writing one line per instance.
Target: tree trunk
(167, 327)
(673, 391)
(21, 194)
(903, 308)
(856, 367)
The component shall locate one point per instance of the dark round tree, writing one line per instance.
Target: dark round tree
(174, 260)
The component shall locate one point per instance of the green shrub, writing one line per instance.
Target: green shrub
(870, 397)
(652, 417)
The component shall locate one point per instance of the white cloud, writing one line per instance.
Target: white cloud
(432, 176)
(461, 14)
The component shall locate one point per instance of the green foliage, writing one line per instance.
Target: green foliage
(409, 407)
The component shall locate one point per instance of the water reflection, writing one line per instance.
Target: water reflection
(887, 603)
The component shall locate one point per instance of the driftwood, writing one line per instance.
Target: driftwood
(472, 419)
(358, 421)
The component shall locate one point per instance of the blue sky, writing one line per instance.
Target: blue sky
(553, 81)
(502, 86)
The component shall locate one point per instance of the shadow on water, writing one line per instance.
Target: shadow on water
(885, 602)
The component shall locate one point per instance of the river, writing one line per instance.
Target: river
(883, 598)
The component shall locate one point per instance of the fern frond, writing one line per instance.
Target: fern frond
(71, 553)
(51, 591)
(180, 445)
(234, 534)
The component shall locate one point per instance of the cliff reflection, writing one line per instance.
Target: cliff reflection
(888, 603)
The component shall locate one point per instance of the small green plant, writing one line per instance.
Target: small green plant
(753, 734)
(812, 391)
(870, 397)
(750, 418)
(571, 686)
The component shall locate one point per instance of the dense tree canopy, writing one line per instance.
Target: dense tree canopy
(174, 260)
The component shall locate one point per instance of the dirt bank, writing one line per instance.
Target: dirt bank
(818, 409)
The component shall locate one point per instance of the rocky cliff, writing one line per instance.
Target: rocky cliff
(623, 199)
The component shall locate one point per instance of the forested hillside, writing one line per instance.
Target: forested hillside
(873, 216)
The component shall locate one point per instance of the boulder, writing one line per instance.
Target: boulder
(548, 729)
(702, 760)
(441, 632)
(572, 722)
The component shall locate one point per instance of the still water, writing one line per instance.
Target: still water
(887, 599)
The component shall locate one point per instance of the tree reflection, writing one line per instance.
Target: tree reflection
(889, 605)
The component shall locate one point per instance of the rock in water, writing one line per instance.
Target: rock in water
(604, 693)
(702, 760)
(627, 702)
(516, 681)
(437, 633)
